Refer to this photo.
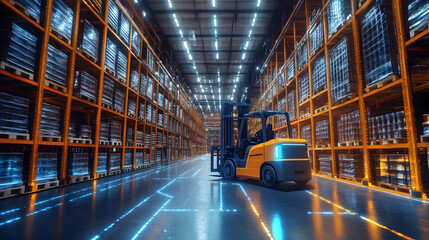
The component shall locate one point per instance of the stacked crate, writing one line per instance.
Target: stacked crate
(113, 15)
(304, 87)
(148, 113)
(11, 166)
(306, 134)
(121, 66)
(351, 166)
(318, 75)
(110, 56)
(14, 116)
(119, 100)
(85, 86)
(46, 166)
(140, 138)
(129, 136)
(32, 7)
(104, 131)
(291, 105)
(316, 36)
(77, 163)
(322, 136)
(128, 160)
(348, 128)
(102, 162)
(139, 158)
(131, 108)
(134, 80)
(325, 163)
(388, 125)
(141, 111)
(337, 13)
(56, 66)
(50, 121)
(62, 20)
(89, 39)
(115, 161)
(108, 92)
(301, 53)
(115, 132)
(136, 42)
(392, 169)
(417, 15)
(124, 31)
(290, 69)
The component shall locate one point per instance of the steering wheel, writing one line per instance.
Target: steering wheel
(252, 135)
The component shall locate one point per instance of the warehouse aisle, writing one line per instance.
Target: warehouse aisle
(183, 201)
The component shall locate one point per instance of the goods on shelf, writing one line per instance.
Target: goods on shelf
(304, 87)
(322, 136)
(348, 127)
(140, 137)
(378, 44)
(50, 121)
(46, 166)
(113, 16)
(77, 163)
(316, 36)
(147, 138)
(417, 14)
(18, 49)
(115, 161)
(33, 8)
(108, 91)
(121, 66)
(159, 138)
(131, 107)
(158, 156)
(128, 160)
(160, 119)
(110, 56)
(306, 134)
(139, 158)
(304, 112)
(425, 136)
(337, 13)
(290, 69)
(56, 66)
(351, 166)
(89, 39)
(11, 165)
(115, 131)
(318, 75)
(102, 162)
(390, 125)
(340, 65)
(136, 42)
(14, 114)
(148, 112)
(154, 136)
(62, 19)
(149, 88)
(85, 86)
(124, 31)
(301, 53)
(325, 162)
(161, 100)
(85, 131)
(291, 105)
(134, 80)
(118, 101)
(154, 115)
(130, 135)
(147, 158)
(392, 169)
(150, 60)
(143, 85)
(104, 131)
(141, 111)
(282, 80)
(96, 5)
(294, 133)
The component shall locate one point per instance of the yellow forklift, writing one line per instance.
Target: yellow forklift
(258, 156)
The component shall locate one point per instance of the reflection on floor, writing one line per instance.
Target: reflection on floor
(185, 201)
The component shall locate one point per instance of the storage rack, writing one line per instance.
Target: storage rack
(396, 92)
(213, 124)
(183, 136)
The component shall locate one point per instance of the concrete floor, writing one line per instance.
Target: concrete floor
(184, 201)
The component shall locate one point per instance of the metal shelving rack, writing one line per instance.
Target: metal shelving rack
(184, 139)
(398, 92)
(212, 123)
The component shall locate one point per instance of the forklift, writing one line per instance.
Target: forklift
(258, 156)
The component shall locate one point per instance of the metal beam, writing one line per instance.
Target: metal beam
(217, 63)
(214, 51)
(212, 11)
(219, 36)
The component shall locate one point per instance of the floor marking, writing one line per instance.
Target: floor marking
(196, 172)
(197, 210)
(331, 213)
(150, 220)
(362, 217)
(9, 211)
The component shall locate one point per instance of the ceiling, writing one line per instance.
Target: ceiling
(211, 56)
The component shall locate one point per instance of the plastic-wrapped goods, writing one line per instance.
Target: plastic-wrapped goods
(113, 16)
(153, 137)
(149, 113)
(302, 53)
(325, 161)
(14, 113)
(316, 36)
(118, 101)
(141, 111)
(108, 91)
(139, 158)
(322, 132)
(417, 13)
(90, 39)
(147, 158)
(102, 162)
(348, 127)
(154, 96)
(85, 85)
(161, 100)
(290, 69)
(291, 104)
(77, 164)
(115, 161)
(158, 156)
(130, 135)
(149, 88)
(134, 80)
(160, 120)
(124, 31)
(150, 60)
(56, 66)
(159, 138)
(128, 160)
(85, 131)
(304, 110)
(337, 12)
(143, 84)
(19, 48)
(282, 80)
(136, 42)
(33, 7)
(341, 70)
(318, 74)
(115, 131)
(121, 66)
(154, 115)
(378, 44)
(11, 165)
(351, 166)
(131, 107)
(72, 129)
(393, 169)
(50, 121)
(147, 138)
(104, 131)
(306, 134)
(387, 126)
(111, 51)
(304, 87)
(62, 18)
(96, 5)
(140, 137)
(46, 166)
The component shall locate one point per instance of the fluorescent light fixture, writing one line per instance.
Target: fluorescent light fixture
(233, 91)
(240, 68)
(195, 67)
(144, 13)
(174, 15)
(218, 80)
(214, 19)
(250, 32)
(235, 86)
(169, 4)
(216, 44)
(259, 3)
(242, 57)
(217, 55)
(201, 86)
(190, 56)
(214, 3)
(136, 1)
(202, 90)
(186, 45)
(246, 45)
(177, 22)
(181, 33)
(199, 79)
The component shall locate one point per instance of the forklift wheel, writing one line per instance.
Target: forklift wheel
(269, 176)
(302, 183)
(228, 170)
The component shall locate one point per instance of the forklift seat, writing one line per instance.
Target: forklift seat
(242, 148)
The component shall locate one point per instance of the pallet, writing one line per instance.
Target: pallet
(76, 179)
(48, 138)
(114, 172)
(9, 192)
(419, 29)
(394, 141)
(124, 81)
(128, 169)
(16, 70)
(139, 144)
(323, 145)
(80, 140)
(339, 27)
(321, 109)
(424, 138)
(140, 167)
(316, 51)
(16, 136)
(129, 144)
(304, 116)
(118, 111)
(55, 86)
(349, 144)
(103, 142)
(110, 71)
(304, 100)
(88, 99)
(100, 175)
(106, 106)
(46, 185)
(382, 83)
(131, 115)
(114, 143)
(343, 100)
(375, 142)
(141, 119)
(361, 2)
(60, 35)
(24, 9)
(319, 89)
(87, 55)
(394, 187)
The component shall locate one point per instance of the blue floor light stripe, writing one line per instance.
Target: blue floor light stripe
(150, 220)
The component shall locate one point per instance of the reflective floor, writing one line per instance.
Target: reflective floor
(184, 201)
